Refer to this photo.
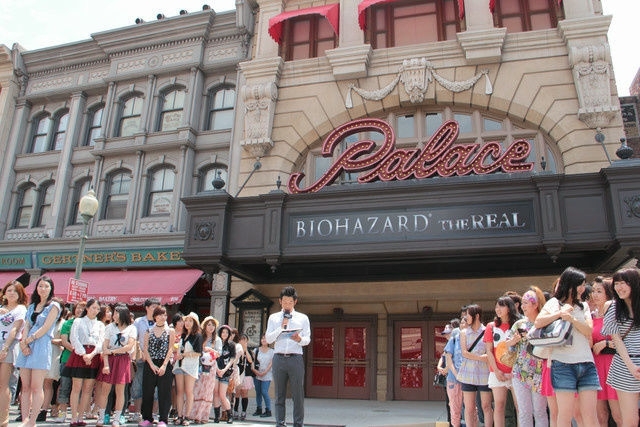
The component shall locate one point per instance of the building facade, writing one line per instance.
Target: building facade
(143, 115)
(398, 159)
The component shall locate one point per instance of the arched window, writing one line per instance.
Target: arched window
(80, 189)
(26, 199)
(130, 116)
(45, 199)
(406, 22)
(171, 110)
(40, 134)
(117, 195)
(209, 173)
(94, 125)
(221, 107)
(60, 123)
(161, 184)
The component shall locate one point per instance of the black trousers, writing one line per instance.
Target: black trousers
(150, 382)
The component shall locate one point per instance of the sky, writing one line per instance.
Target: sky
(36, 24)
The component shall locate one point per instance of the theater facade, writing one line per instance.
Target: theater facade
(395, 160)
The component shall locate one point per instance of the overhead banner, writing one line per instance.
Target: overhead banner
(450, 222)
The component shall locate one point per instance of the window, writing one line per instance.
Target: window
(207, 175)
(171, 112)
(45, 200)
(130, 116)
(117, 195)
(307, 36)
(413, 129)
(409, 22)
(40, 133)
(161, 191)
(221, 108)
(60, 125)
(94, 125)
(26, 201)
(526, 15)
(80, 189)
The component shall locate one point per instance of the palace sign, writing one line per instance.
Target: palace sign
(438, 157)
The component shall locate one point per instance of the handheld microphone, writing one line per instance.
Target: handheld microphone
(287, 314)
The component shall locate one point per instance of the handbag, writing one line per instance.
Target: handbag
(440, 380)
(555, 334)
(508, 355)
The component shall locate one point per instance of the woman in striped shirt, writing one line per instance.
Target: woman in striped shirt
(623, 325)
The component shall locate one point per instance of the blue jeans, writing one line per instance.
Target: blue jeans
(262, 393)
(574, 376)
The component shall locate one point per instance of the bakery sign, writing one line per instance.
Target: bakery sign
(439, 156)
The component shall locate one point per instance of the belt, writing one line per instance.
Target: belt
(288, 354)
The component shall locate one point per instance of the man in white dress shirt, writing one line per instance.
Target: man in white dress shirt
(290, 331)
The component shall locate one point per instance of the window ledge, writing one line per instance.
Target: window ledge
(483, 46)
(350, 62)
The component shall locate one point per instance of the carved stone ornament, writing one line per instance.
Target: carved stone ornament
(416, 74)
(259, 101)
(204, 230)
(592, 78)
(633, 206)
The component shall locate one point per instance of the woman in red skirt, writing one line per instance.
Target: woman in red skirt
(119, 340)
(86, 336)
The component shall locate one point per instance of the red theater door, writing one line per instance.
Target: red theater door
(416, 350)
(339, 360)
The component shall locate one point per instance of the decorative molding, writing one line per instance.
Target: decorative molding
(259, 101)
(154, 227)
(416, 74)
(204, 230)
(26, 235)
(633, 206)
(592, 77)
(113, 229)
(50, 84)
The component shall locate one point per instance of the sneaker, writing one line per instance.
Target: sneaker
(123, 419)
(115, 424)
(145, 423)
(135, 417)
(59, 420)
(107, 418)
(162, 424)
(257, 413)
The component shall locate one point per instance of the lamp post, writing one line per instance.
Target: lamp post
(87, 207)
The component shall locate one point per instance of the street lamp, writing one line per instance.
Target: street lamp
(87, 207)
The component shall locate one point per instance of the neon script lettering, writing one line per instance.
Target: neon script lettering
(438, 157)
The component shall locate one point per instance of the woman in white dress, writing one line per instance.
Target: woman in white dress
(14, 300)
(186, 367)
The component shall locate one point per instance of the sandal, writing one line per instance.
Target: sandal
(185, 422)
(178, 421)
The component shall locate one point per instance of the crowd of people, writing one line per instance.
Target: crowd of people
(93, 361)
(592, 378)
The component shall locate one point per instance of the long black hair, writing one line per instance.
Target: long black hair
(35, 296)
(567, 291)
(507, 301)
(631, 277)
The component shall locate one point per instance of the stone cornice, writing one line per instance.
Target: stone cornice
(584, 28)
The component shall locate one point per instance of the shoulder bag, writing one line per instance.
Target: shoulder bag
(555, 334)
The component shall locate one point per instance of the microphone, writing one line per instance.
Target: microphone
(287, 315)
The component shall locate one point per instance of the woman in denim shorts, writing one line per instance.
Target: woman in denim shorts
(572, 367)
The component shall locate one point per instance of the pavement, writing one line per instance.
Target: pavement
(333, 413)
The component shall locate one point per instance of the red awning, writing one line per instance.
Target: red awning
(130, 287)
(8, 276)
(331, 12)
(366, 4)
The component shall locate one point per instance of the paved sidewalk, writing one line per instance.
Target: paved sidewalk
(333, 413)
